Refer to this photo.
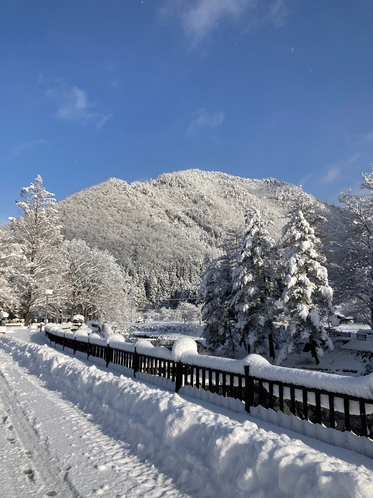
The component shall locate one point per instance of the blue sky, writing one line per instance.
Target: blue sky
(134, 88)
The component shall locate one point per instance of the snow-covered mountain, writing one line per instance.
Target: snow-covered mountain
(160, 229)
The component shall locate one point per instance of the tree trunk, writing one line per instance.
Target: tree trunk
(271, 347)
(314, 352)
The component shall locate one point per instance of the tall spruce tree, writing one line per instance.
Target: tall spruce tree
(307, 295)
(37, 237)
(255, 286)
(215, 295)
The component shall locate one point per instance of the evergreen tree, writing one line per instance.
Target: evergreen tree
(307, 295)
(37, 236)
(255, 286)
(217, 314)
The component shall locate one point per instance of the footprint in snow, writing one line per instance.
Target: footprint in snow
(30, 473)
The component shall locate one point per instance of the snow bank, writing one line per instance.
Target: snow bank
(355, 386)
(82, 335)
(145, 347)
(117, 341)
(205, 453)
(94, 338)
(183, 347)
(185, 350)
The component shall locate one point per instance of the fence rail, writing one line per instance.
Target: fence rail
(340, 411)
(360, 335)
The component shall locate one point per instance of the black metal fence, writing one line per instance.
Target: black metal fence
(340, 411)
(360, 336)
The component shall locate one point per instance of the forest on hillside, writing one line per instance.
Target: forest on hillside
(160, 230)
(252, 253)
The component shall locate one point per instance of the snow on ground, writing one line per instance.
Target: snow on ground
(167, 331)
(340, 362)
(71, 428)
(347, 357)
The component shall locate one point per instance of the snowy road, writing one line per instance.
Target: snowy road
(50, 448)
(71, 429)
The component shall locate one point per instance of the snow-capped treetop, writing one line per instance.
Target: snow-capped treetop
(36, 197)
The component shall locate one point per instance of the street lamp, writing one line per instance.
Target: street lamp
(48, 292)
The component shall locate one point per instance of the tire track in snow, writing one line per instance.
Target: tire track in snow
(95, 463)
(43, 472)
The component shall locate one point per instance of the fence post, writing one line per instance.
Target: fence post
(135, 363)
(109, 355)
(249, 389)
(74, 345)
(179, 376)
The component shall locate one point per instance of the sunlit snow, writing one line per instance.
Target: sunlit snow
(78, 429)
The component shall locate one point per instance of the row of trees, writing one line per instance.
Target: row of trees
(257, 283)
(251, 287)
(34, 258)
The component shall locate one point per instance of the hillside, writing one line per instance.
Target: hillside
(160, 229)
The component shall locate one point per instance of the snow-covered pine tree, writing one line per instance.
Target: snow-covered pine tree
(217, 314)
(307, 295)
(38, 238)
(255, 286)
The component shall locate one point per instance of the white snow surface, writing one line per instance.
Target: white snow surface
(77, 429)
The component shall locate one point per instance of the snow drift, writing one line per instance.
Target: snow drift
(206, 453)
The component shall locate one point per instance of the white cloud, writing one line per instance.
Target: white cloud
(21, 148)
(73, 105)
(205, 119)
(332, 175)
(199, 18)
(335, 170)
(278, 12)
(359, 138)
(367, 138)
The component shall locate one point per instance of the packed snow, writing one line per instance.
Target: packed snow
(72, 428)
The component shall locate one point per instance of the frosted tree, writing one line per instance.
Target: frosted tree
(356, 259)
(37, 236)
(307, 295)
(255, 286)
(96, 286)
(9, 301)
(112, 288)
(217, 314)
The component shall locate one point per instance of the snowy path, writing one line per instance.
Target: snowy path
(74, 429)
(26, 460)
(50, 448)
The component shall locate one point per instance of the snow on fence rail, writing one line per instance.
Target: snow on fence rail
(337, 402)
